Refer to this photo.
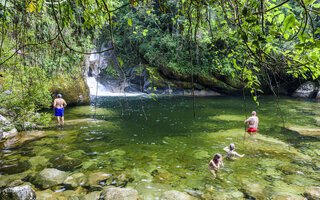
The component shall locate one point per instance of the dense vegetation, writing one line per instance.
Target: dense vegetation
(251, 40)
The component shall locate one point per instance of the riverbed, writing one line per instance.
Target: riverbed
(165, 143)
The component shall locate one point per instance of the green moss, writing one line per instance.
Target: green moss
(73, 88)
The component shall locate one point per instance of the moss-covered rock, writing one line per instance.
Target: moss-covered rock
(74, 89)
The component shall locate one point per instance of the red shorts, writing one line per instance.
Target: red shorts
(252, 130)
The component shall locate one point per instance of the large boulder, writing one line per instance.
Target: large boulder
(74, 89)
(6, 128)
(120, 194)
(306, 90)
(176, 195)
(18, 193)
(312, 193)
(50, 177)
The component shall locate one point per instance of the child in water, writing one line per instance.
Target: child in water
(231, 154)
(215, 164)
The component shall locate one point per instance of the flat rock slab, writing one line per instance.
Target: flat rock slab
(305, 130)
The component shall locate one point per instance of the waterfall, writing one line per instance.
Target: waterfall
(101, 84)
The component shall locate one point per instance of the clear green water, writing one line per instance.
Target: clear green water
(163, 147)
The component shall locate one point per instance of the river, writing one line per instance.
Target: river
(160, 145)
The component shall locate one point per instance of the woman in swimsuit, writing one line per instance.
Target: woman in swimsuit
(215, 164)
(231, 154)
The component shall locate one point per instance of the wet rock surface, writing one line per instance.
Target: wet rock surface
(312, 193)
(64, 163)
(25, 192)
(176, 195)
(119, 194)
(50, 177)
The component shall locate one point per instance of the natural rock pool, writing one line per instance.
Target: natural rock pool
(154, 146)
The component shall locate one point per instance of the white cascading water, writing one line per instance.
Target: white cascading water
(101, 90)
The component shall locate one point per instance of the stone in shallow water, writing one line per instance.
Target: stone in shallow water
(176, 195)
(18, 193)
(75, 180)
(14, 168)
(121, 180)
(50, 177)
(120, 194)
(38, 162)
(65, 163)
(200, 154)
(287, 197)
(92, 196)
(254, 189)
(97, 177)
(312, 193)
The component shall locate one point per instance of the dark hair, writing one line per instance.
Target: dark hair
(217, 156)
(232, 147)
(59, 95)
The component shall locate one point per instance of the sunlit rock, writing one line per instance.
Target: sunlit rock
(50, 177)
(305, 130)
(287, 197)
(176, 195)
(120, 180)
(75, 180)
(92, 196)
(255, 190)
(151, 190)
(98, 177)
(25, 192)
(120, 194)
(312, 193)
(306, 90)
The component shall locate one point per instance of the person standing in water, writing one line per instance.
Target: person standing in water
(252, 122)
(231, 154)
(59, 104)
(215, 164)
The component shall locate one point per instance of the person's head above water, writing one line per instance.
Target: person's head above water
(217, 156)
(253, 113)
(59, 95)
(232, 147)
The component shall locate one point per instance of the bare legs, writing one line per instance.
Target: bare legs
(62, 121)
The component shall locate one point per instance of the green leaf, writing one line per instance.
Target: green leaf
(289, 22)
(308, 2)
(280, 18)
(120, 61)
(286, 35)
(130, 22)
(316, 5)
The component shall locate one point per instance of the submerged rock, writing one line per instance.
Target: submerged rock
(121, 180)
(75, 180)
(65, 163)
(176, 195)
(18, 193)
(50, 177)
(97, 177)
(92, 196)
(255, 190)
(120, 194)
(14, 168)
(312, 193)
(287, 197)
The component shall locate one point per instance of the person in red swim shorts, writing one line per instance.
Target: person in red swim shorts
(252, 122)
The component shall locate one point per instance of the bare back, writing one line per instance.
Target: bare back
(59, 103)
(253, 122)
